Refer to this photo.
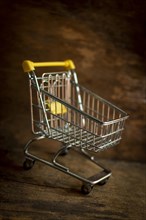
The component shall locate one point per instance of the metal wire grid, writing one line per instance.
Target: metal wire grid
(89, 121)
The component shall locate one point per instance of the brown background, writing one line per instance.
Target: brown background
(105, 39)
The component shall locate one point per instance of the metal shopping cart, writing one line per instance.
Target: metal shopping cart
(63, 110)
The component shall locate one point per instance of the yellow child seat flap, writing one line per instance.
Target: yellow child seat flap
(56, 107)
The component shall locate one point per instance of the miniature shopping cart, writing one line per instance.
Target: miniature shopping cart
(63, 110)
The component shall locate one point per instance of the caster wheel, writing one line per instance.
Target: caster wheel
(64, 152)
(86, 188)
(28, 164)
(103, 182)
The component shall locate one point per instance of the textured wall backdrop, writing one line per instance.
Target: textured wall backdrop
(106, 40)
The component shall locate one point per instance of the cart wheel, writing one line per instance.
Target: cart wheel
(64, 152)
(86, 188)
(28, 164)
(103, 182)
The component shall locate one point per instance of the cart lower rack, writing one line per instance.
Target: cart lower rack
(63, 110)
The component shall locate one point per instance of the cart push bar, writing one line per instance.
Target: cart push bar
(29, 66)
(85, 133)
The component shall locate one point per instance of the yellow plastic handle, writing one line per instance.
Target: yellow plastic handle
(29, 66)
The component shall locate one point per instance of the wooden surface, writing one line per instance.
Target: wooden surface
(46, 193)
